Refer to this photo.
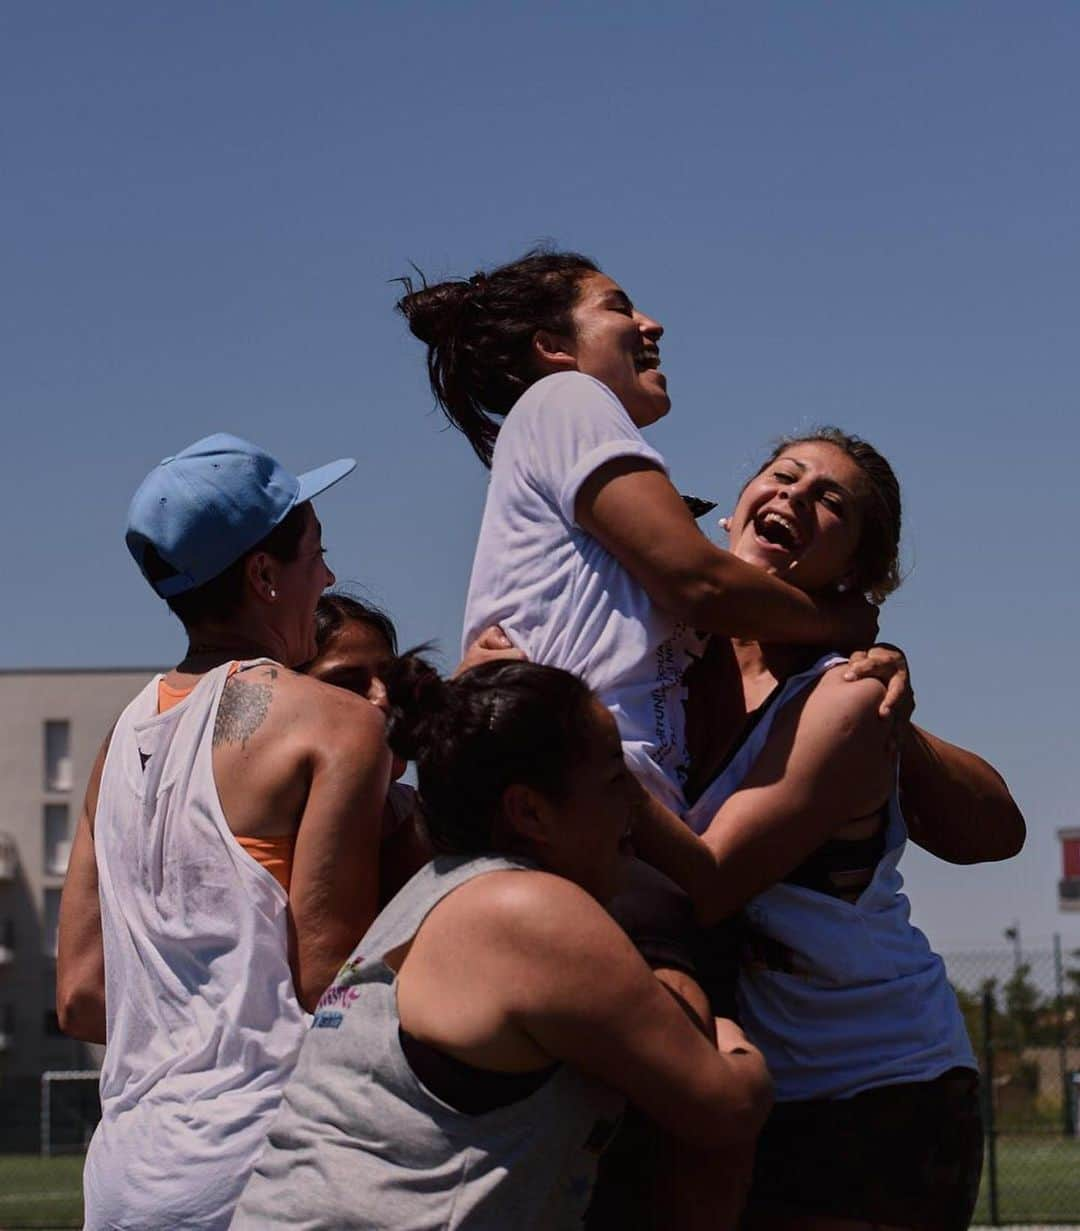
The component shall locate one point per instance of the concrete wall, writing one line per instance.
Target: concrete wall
(89, 701)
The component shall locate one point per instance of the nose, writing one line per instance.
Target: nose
(330, 578)
(652, 329)
(796, 492)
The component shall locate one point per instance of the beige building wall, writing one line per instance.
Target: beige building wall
(52, 724)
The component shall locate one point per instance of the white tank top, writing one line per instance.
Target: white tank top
(203, 1023)
(840, 996)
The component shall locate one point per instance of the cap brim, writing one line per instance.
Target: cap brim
(314, 481)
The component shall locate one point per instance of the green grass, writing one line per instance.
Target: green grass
(40, 1192)
(1038, 1181)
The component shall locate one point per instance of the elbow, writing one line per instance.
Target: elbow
(1001, 835)
(1010, 832)
(80, 1012)
(739, 1113)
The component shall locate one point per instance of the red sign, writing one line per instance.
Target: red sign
(1070, 857)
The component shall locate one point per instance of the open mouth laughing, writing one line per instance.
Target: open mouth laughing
(779, 530)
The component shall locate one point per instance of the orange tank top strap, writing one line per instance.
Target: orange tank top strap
(169, 696)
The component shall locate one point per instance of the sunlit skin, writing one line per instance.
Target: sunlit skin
(355, 658)
(620, 346)
(297, 585)
(815, 491)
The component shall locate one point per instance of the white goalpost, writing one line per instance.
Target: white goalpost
(70, 1109)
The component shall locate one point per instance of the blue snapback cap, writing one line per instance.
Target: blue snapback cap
(204, 508)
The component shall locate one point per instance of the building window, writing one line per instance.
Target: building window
(58, 755)
(57, 838)
(52, 921)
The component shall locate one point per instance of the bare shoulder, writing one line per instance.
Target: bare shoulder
(534, 914)
(847, 705)
(267, 699)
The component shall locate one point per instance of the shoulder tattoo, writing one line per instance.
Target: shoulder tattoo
(243, 707)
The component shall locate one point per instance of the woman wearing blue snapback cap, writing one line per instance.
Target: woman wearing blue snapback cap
(226, 859)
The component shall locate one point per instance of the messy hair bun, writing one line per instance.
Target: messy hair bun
(433, 312)
(479, 333)
(419, 700)
(499, 724)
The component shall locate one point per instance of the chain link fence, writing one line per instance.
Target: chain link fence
(1022, 1009)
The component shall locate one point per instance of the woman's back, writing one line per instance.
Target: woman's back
(360, 1141)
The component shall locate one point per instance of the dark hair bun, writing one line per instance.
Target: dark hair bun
(419, 701)
(433, 312)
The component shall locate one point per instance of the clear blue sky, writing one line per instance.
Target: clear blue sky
(849, 212)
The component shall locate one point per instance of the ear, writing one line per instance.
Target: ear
(554, 352)
(526, 814)
(261, 575)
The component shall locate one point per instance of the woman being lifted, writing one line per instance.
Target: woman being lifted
(588, 556)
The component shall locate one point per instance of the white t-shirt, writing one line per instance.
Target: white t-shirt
(563, 598)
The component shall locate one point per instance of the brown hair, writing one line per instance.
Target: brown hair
(479, 333)
(877, 555)
(500, 723)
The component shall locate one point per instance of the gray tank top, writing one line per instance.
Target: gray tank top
(360, 1142)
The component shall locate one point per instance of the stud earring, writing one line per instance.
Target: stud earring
(842, 587)
(725, 523)
(273, 594)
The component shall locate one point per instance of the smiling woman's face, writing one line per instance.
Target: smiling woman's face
(801, 517)
(620, 346)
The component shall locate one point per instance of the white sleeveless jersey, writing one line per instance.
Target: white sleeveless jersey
(203, 1023)
(839, 996)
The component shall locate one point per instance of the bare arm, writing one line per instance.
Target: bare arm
(334, 890)
(827, 761)
(569, 979)
(80, 954)
(956, 805)
(633, 510)
(624, 1028)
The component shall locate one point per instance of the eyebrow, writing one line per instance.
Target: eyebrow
(831, 483)
(621, 298)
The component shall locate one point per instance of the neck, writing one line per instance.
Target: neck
(763, 665)
(209, 648)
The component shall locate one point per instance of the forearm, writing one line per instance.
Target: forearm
(668, 844)
(726, 596)
(956, 805)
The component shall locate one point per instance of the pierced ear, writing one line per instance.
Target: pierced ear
(554, 352)
(846, 583)
(260, 575)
